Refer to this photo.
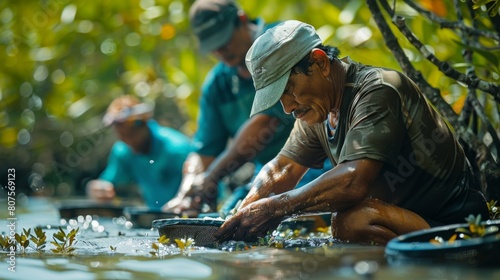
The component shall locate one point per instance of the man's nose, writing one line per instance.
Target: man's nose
(288, 105)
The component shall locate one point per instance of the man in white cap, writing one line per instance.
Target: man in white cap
(397, 166)
(224, 30)
(145, 154)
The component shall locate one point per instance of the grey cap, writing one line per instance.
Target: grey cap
(212, 21)
(273, 55)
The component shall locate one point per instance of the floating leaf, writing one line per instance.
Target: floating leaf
(452, 239)
(163, 239)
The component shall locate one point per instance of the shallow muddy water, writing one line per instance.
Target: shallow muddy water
(109, 248)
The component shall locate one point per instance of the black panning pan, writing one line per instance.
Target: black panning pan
(143, 217)
(101, 210)
(201, 230)
(416, 247)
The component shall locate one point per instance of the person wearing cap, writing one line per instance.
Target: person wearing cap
(225, 31)
(397, 166)
(146, 154)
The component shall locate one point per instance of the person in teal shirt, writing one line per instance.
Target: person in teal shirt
(227, 138)
(147, 154)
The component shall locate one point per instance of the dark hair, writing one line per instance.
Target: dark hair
(305, 63)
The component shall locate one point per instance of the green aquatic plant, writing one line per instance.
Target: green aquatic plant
(4, 242)
(277, 240)
(39, 239)
(64, 241)
(492, 207)
(476, 229)
(439, 240)
(264, 241)
(23, 239)
(156, 246)
(185, 244)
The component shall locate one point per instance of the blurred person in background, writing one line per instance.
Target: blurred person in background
(145, 154)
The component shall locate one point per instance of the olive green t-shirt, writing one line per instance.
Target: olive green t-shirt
(384, 116)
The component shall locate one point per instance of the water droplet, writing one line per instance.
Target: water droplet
(128, 225)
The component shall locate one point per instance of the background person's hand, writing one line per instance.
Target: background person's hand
(100, 190)
(196, 192)
(255, 220)
(206, 192)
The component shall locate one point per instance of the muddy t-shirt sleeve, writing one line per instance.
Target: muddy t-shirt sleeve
(304, 147)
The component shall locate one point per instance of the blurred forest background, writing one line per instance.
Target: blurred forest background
(63, 61)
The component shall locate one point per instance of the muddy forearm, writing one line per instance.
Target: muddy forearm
(276, 177)
(337, 189)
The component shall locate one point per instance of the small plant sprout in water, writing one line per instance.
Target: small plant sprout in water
(64, 242)
(39, 239)
(4, 242)
(476, 229)
(157, 246)
(23, 239)
(492, 207)
(185, 244)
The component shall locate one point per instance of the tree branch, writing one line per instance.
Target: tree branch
(431, 93)
(445, 67)
(452, 24)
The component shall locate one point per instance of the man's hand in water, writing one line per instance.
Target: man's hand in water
(254, 220)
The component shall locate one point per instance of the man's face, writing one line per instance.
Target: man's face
(134, 134)
(306, 97)
(233, 52)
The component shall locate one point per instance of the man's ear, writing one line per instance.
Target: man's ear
(319, 57)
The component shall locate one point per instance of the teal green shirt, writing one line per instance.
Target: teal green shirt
(158, 173)
(225, 106)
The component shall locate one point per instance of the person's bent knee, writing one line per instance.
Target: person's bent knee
(374, 221)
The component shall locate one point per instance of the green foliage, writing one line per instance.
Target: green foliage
(493, 209)
(476, 228)
(4, 242)
(64, 241)
(492, 10)
(157, 246)
(23, 239)
(39, 239)
(185, 244)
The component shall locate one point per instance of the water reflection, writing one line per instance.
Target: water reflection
(108, 249)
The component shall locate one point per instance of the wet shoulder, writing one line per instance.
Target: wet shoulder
(173, 136)
(120, 150)
(376, 76)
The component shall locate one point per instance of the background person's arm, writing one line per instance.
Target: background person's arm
(244, 148)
